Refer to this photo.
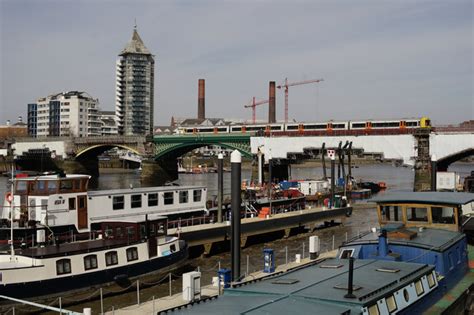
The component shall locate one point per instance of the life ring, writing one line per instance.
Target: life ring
(9, 197)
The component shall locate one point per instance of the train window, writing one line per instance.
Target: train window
(222, 129)
(412, 123)
(291, 127)
(385, 124)
(338, 126)
(276, 127)
(233, 129)
(358, 125)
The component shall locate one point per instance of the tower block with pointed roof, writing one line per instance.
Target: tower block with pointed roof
(135, 88)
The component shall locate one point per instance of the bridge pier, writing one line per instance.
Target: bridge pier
(423, 161)
(156, 173)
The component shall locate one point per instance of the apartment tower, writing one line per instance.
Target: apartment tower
(134, 88)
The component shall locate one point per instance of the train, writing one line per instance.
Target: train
(359, 126)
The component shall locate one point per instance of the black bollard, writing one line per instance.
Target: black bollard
(235, 182)
(350, 284)
(332, 156)
(220, 186)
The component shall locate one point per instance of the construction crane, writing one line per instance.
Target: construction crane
(254, 104)
(286, 85)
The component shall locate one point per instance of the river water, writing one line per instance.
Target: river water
(363, 218)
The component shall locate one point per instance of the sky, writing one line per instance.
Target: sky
(379, 59)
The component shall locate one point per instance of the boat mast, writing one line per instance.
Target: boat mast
(12, 248)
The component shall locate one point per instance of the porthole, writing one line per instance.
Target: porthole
(406, 295)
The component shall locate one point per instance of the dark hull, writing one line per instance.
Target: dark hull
(94, 279)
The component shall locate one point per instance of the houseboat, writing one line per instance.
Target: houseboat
(64, 210)
(425, 228)
(47, 269)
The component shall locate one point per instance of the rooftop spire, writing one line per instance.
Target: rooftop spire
(136, 45)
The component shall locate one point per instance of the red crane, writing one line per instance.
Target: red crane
(254, 104)
(286, 85)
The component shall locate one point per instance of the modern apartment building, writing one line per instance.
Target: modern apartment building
(109, 125)
(134, 104)
(64, 114)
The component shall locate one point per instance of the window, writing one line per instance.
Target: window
(65, 185)
(72, 203)
(197, 195)
(443, 215)
(130, 232)
(172, 248)
(63, 266)
(168, 198)
(391, 304)
(374, 310)
(136, 201)
(152, 199)
(417, 214)
(119, 232)
(346, 253)
(82, 202)
(111, 258)
(183, 197)
(431, 280)
(52, 185)
(391, 213)
(90, 262)
(132, 254)
(118, 202)
(419, 288)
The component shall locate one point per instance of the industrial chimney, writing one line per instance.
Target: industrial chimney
(271, 104)
(201, 99)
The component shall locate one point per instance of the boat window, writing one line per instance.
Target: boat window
(391, 213)
(82, 202)
(111, 258)
(442, 215)
(374, 310)
(132, 254)
(20, 187)
(152, 229)
(90, 262)
(131, 232)
(168, 198)
(417, 214)
(118, 202)
(65, 185)
(197, 195)
(77, 184)
(391, 304)
(63, 266)
(152, 199)
(406, 295)
(346, 253)
(72, 203)
(32, 187)
(172, 248)
(119, 232)
(136, 201)
(183, 196)
(419, 287)
(52, 186)
(41, 185)
(431, 280)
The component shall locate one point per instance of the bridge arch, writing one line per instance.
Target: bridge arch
(443, 163)
(168, 147)
(98, 149)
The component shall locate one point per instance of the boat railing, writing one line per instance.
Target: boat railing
(191, 221)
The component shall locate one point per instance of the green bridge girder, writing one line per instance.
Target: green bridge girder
(179, 144)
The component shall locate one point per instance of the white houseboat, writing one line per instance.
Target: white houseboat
(65, 210)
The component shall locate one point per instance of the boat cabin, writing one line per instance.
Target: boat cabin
(442, 210)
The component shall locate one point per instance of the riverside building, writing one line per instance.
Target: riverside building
(135, 88)
(64, 114)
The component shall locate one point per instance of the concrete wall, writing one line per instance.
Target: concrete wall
(400, 147)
